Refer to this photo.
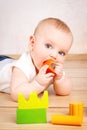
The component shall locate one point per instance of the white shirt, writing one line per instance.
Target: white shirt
(24, 63)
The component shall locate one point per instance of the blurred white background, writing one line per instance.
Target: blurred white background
(18, 18)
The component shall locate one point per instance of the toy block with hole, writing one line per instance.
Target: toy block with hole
(32, 110)
(51, 63)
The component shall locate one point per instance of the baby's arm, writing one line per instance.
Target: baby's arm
(20, 83)
(62, 84)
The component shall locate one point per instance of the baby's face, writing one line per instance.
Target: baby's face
(50, 43)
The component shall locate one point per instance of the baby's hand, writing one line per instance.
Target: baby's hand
(43, 78)
(58, 71)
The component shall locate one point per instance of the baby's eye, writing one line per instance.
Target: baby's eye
(48, 45)
(61, 53)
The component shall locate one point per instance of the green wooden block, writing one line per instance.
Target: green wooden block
(31, 116)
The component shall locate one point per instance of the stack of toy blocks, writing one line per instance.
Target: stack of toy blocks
(75, 117)
(32, 110)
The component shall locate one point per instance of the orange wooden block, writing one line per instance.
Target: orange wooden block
(66, 120)
(75, 117)
(76, 109)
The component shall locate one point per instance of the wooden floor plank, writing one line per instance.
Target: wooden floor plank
(76, 72)
(75, 64)
(79, 83)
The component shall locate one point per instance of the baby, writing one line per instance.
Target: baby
(52, 39)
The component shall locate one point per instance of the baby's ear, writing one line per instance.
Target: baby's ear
(31, 42)
(32, 39)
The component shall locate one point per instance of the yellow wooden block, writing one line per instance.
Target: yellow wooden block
(33, 102)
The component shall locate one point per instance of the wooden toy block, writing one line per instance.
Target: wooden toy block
(75, 117)
(66, 120)
(33, 102)
(31, 116)
(32, 110)
(76, 108)
(51, 63)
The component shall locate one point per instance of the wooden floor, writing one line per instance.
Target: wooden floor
(76, 68)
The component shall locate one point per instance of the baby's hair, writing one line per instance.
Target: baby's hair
(53, 22)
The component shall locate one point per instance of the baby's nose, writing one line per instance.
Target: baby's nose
(54, 55)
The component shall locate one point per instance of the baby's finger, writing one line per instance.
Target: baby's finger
(50, 75)
(51, 79)
(43, 69)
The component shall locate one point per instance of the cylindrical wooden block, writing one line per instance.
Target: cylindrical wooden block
(66, 120)
(76, 109)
